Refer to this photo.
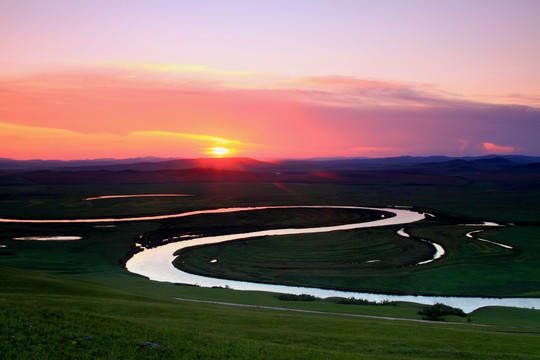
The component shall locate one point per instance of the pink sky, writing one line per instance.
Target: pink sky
(93, 79)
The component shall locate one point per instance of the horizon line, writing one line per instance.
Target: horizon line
(313, 158)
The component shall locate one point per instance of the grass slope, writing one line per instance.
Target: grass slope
(48, 316)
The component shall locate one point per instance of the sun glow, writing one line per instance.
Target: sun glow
(219, 151)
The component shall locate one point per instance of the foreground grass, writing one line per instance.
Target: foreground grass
(48, 317)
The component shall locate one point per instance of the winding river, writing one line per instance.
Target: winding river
(133, 196)
(156, 263)
(439, 250)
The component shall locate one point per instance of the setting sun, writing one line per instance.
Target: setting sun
(219, 151)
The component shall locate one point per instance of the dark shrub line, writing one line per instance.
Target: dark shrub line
(346, 301)
(353, 301)
(435, 312)
(301, 297)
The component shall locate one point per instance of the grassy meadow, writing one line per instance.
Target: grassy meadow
(58, 317)
(469, 268)
(74, 299)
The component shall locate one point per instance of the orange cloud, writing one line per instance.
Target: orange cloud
(165, 134)
(30, 142)
(498, 149)
(148, 109)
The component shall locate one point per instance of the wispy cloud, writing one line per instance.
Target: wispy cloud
(175, 68)
(189, 74)
(21, 141)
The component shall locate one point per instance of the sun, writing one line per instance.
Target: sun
(219, 151)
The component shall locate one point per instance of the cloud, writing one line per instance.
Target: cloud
(346, 91)
(188, 74)
(464, 144)
(164, 134)
(348, 82)
(286, 117)
(21, 142)
(498, 149)
(175, 68)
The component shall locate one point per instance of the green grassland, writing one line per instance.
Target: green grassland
(482, 201)
(48, 316)
(82, 287)
(338, 260)
(469, 268)
(341, 255)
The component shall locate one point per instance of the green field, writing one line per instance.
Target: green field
(58, 317)
(469, 267)
(335, 260)
(83, 289)
(481, 201)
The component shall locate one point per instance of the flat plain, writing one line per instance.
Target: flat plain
(74, 299)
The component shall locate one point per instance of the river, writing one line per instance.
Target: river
(156, 263)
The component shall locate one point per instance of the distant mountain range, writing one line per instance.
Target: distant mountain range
(239, 163)
(37, 164)
(405, 169)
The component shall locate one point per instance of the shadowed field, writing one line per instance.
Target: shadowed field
(345, 260)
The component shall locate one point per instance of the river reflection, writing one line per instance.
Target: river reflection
(156, 264)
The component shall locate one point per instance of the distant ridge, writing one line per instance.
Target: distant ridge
(11, 164)
(413, 163)
(402, 170)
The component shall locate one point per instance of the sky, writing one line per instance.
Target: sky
(268, 79)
